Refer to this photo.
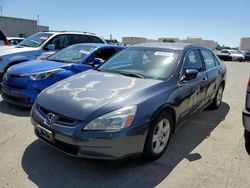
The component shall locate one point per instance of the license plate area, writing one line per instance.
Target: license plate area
(45, 133)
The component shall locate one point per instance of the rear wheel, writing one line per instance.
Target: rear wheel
(218, 99)
(158, 136)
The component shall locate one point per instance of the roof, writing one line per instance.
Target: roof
(99, 45)
(70, 32)
(175, 46)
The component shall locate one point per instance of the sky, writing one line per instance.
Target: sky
(224, 21)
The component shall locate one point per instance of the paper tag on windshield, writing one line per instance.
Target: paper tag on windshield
(84, 52)
(166, 54)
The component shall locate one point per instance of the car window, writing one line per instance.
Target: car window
(35, 40)
(193, 61)
(60, 42)
(95, 39)
(75, 39)
(72, 54)
(208, 58)
(155, 63)
(105, 53)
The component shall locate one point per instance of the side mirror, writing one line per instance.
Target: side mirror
(51, 47)
(98, 61)
(189, 74)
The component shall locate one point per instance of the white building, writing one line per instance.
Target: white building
(19, 27)
(245, 43)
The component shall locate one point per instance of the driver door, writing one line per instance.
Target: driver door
(193, 92)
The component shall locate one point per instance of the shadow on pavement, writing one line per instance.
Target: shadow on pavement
(13, 110)
(47, 167)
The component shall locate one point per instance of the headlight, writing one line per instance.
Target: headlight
(115, 120)
(42, 75)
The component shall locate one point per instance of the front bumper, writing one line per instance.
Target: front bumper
(246, 119)
(74, 141)
(15, 96)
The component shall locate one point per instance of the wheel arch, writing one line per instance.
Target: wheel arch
(166, 108)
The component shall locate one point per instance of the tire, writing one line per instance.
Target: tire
(218, 99)
(158, 137)
(247, 141)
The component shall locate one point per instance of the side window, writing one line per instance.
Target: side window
(75, 39)
(95, 39)
(193, 61)
(105, 53)
(60, 42)
(208, 59)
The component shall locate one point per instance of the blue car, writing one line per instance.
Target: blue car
(23, 82)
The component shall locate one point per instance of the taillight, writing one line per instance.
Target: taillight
(6, 43)
(248, 83)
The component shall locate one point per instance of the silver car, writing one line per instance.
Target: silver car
(246, 117)
(39, 43)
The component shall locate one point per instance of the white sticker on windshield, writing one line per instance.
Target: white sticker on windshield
(166, 54)
(84, 52)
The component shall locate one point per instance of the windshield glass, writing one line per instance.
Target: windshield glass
(35, 40)
(143, 62)
(72, 54)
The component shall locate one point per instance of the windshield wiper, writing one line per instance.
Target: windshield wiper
(131, 74)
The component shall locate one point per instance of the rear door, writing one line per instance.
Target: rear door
(214, 73)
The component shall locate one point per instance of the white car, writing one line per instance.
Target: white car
(14, 40)
(233, 55)
(39, 43)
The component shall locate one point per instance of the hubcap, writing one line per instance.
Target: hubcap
(219, 96)
(161, 136)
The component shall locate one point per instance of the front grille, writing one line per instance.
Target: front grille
(7, 80)
(61, 120)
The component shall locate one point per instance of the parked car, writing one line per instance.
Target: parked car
(132, 103)
(23, 82)
(39, 43)
(246, 55)
(14, 40)
(246, 118)
(233, 55)
(3, 39)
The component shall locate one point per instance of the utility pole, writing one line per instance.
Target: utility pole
(1, 10)
(37, 19)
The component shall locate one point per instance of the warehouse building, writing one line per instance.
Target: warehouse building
(245, 44)
(194, 40)
(19, 27)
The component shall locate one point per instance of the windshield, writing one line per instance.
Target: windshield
(35, 40)
(72, 54)
(143, 62)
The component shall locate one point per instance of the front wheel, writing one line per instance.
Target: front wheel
(158, 136)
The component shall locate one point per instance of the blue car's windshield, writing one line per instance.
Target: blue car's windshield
(35, 40)
(156, 63)
(72, 54)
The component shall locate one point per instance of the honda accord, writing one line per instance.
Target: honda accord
(131, 104)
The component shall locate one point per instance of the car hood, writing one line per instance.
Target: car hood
(5, 50)
(79, 96)
(34, 66)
